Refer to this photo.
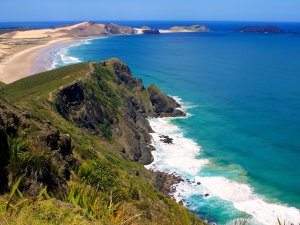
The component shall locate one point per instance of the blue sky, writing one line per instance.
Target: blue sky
(227, 10)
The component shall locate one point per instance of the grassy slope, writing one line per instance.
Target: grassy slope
(152, 207)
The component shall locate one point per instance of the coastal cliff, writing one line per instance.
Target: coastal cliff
(111, 103)
(82, 129)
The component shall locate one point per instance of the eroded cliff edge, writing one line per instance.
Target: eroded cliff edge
(111, 103)
(81, 130)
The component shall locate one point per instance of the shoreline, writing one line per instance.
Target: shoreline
(27, 62)
(170, 159)
(41, 63)
(38, 62)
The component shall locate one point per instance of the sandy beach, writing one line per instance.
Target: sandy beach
(20, 63)
(23, 53)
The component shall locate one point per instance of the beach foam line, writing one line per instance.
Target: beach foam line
(244, 199)
(183, 158)
(61, 57)
(180, 156)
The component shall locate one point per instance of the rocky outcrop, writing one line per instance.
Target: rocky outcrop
(112, 104)
(163, 105)
(165, 181)
(151, 31)
(44, 155)
(118, 29)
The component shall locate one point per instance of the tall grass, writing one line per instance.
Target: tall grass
(16, 200)
(23, 161)
(98, 205)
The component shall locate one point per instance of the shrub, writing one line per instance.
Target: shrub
(106, 130)
(99, 173)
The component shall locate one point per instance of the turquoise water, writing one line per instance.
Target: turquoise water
(245, 92)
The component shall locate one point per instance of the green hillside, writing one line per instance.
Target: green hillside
(73, 144)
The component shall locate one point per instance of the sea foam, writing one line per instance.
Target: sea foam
(184, 158)
(61, 56)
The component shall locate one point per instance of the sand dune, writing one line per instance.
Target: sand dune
(19, 49)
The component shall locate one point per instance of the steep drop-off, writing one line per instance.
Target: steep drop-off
(82, 132)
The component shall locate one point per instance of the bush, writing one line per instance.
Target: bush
(99, 173)
(106, 130)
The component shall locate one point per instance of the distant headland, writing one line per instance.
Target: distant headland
(264, 29)
(22, 48)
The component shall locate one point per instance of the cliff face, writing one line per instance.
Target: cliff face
(115, 106)
(72, 132)
(48, 149)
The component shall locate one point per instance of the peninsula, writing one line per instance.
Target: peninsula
(21, 50)
(73, 143)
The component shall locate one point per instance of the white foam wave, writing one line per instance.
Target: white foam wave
(243, 199)
(179, 156)
(61, 56)
(183, 158)
(185, 105)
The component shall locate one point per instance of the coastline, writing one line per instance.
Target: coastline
(29, 61)
(183, 185)
(176, 184)
(24, 53)
(186, 165)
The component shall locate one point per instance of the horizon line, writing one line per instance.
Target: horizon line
(154, 20)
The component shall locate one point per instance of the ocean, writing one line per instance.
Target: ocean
(239, 147)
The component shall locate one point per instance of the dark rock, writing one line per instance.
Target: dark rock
(164, 106)
(151, 31)
(206, 195)
(198, 183)
(166, 139)
(64, 144)
(164, 181)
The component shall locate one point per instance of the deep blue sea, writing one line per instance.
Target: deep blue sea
(241, 140)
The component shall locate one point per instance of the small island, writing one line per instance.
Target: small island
(261, 29)
(194, 28)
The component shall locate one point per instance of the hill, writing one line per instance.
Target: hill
(84, 29)
(73, 141)
(194, 28)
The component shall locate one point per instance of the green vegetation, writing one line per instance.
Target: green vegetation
(99, 173)
(41, 85)
(104, 188)
(2, 84)
(22, 162)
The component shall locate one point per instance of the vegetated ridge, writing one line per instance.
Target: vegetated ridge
(73, 144)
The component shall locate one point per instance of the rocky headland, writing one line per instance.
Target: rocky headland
(86, 124)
